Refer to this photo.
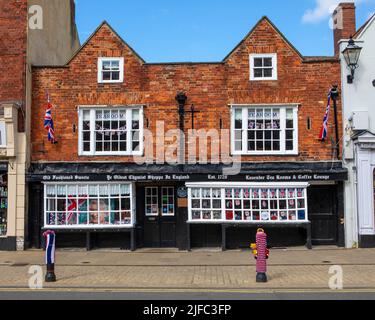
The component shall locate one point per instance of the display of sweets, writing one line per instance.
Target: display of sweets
(3, 192)
(3, 203)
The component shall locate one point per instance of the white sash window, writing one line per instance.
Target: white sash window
(110, 131)
(264, 130)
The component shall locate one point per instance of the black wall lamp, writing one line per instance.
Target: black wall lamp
(351, 55)
(181, 99)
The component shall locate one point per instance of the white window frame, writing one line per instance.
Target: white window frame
(168, 204)
(151, 197)
(283, 129)
(100, 69)
(88, 226)
(129, 141)
(273, 56)
(3, 133)
(255, 185)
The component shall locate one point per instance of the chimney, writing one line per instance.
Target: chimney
(344, 23)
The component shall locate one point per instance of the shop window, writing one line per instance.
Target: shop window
(3, 205)
(111, 131)
(258, 130)
(248, 204)
(3, 140)
(88, 205)
(263, 67)
(111, 70)
(152, 201)
(167, 194)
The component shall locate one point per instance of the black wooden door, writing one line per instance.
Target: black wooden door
(323, 214)
(159, 217)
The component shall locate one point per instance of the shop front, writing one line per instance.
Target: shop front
(12, 180)
(3, 200)
(195, 207)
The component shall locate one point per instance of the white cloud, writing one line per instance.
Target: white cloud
(323, 10)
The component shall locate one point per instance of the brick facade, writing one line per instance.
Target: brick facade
(13, 46)
(211, 87)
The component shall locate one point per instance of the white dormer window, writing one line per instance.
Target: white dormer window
(111, 70)
(263, 67)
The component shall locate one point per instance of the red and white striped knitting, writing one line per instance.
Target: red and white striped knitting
(262, 254)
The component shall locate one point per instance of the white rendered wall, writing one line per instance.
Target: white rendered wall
(359, 96)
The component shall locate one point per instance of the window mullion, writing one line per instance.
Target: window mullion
(92, 132)
(245, 116)
(295, 130)
(283, 128)
(129, 124)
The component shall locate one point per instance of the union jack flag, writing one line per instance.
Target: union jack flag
(73, 207)
(48, 122)
(324, 131)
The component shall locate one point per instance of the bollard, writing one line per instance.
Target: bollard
(50, 238)
(261, 254)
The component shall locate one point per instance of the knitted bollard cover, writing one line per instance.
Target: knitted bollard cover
(262, 252)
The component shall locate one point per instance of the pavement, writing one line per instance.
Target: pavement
(201, 272)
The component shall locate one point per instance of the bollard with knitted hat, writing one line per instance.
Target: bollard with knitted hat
(261, 254)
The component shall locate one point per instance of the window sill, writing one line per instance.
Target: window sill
(93, 227)
(263, 79)
(243, 154)
(247, 222)
(111, 155)
(109, 82)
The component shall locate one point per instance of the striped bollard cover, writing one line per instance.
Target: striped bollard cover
(50, 238)
(262, 256)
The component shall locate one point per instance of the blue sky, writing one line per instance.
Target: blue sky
(207, 30)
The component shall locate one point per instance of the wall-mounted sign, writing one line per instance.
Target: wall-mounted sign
(263, 177)
(182, 192)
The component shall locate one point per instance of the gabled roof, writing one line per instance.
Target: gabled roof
(105, 23)
(307, 59)
(264, 18)
(364, 27)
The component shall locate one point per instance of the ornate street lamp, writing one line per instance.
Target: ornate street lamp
(351, 55)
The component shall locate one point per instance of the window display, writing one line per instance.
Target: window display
(152, 201)
(3, 209)
(3, 205)
(167, 201)
(92, 205)
(248, 204)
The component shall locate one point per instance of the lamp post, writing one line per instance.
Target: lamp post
(351, 54)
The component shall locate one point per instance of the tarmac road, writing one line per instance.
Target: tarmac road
(152, 295)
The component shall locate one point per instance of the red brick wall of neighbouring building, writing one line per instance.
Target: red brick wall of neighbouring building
(13, 45)
(211, 87)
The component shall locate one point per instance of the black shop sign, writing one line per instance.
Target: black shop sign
(279, 177)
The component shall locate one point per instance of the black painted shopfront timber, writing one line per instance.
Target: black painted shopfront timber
(325, 198)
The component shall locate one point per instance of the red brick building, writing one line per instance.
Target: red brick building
(25, 41)
(265, 97)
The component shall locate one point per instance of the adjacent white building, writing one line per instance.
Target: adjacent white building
(358, 100)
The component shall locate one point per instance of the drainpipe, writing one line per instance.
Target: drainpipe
(335, 95)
